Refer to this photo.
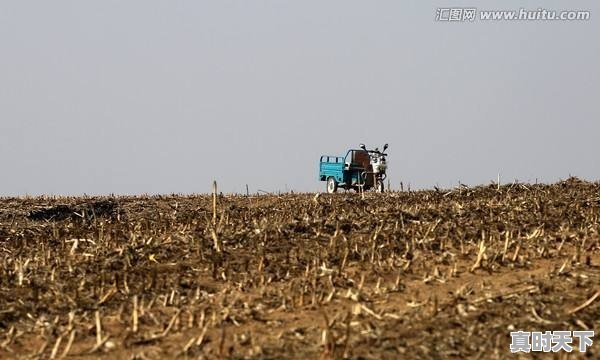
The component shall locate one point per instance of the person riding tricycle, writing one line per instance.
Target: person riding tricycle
(359, 168)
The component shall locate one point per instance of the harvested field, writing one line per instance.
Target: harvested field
(425, 274)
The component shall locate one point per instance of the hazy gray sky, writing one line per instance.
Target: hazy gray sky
(132, 97)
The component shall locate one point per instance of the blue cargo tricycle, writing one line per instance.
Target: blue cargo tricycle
(360, 169)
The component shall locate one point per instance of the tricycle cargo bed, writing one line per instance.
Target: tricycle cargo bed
(331, 166)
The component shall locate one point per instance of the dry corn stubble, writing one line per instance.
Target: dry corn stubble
(399, 274)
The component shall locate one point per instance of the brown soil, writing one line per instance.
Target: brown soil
(427, 274)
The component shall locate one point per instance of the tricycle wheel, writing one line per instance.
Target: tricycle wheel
(331, 185)
(379, 186)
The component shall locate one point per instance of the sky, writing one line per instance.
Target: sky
(151, 97)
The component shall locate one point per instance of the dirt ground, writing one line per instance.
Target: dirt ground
(417, 275)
